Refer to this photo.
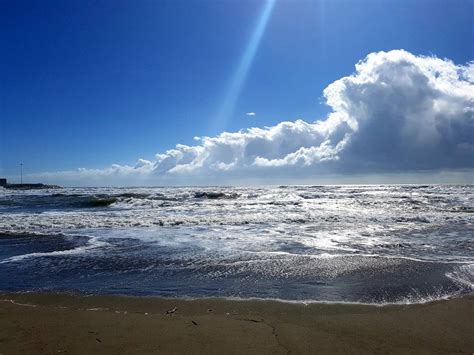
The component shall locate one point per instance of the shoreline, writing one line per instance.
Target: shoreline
(55, 294)
(68, 323)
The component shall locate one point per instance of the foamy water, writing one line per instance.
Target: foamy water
(370, 244)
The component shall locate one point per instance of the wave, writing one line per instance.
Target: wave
(463, 275)
(418, 219)
(93, 243)
(215, 195)
(208, 267)
(463, 209)
(99, 202)
(413, 299)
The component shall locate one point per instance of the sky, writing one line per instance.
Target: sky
(196, 92)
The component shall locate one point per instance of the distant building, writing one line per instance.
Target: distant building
(3, 182)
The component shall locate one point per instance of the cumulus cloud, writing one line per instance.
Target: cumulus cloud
(407, 111)
(396, 112)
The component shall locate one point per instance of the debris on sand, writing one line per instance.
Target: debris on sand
(171, 311)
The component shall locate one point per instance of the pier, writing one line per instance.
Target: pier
(4, 183)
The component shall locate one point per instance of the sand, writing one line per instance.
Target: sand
(71, 324)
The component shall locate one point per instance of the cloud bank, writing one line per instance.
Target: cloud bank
(397, 112)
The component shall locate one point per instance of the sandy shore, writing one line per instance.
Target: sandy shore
(55, 324)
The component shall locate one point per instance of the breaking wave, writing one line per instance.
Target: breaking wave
(463, 275)
(77, 245)
(369, 244)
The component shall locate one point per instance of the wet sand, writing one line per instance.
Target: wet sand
(68, 324)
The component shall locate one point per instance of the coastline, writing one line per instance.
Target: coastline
(65, 323)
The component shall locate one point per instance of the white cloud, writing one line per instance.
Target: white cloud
(408, 112)
(396, 112)
(251, 114)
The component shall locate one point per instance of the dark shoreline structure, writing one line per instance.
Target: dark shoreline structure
(38, 186)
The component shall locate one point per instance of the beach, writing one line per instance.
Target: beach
(218, 270)
(50, 323)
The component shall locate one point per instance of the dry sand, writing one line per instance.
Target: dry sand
(67, 324)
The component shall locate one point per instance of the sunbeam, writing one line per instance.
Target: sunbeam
(240, 75)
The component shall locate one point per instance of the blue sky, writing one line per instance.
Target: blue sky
(92, 83)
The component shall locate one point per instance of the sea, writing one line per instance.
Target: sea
(373, 244)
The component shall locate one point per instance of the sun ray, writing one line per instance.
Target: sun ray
(241, 73)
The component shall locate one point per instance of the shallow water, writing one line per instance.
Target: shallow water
(371, 244)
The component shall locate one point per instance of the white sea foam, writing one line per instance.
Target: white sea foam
(427, 223)
(403, 301)
(92, 244)
(463, 275)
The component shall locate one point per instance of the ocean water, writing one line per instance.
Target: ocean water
(370, 244)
